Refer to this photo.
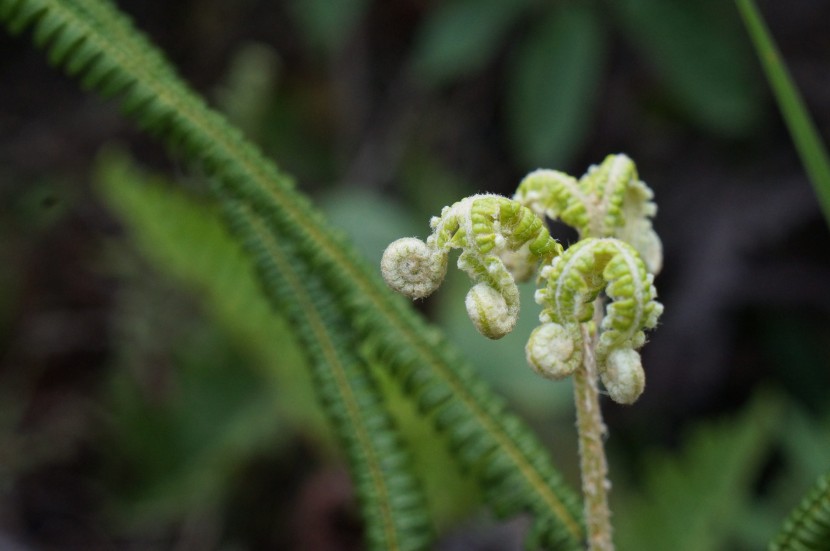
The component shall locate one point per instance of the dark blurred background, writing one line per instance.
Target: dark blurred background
(135, 414)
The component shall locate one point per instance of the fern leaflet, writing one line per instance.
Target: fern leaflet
(808, 526)
(393, 505)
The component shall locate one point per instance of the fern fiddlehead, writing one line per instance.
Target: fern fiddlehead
(483, 227)
(618, 253)
(608, 201)
(574, 281)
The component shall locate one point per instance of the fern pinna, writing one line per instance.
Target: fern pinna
(808, 526)
(94, 41)
(392, 499)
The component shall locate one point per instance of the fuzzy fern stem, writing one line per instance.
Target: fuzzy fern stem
(591, 430)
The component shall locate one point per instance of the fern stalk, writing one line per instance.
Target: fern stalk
(591, 430)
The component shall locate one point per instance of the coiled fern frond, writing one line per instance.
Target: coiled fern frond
(609, 200)
(93, 41)
(808, 526)
(487, 228)
(574, 281)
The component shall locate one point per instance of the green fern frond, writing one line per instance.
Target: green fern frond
(166, 224)
(393, 505)
(93, 40)
(692, 499)
(808, 526)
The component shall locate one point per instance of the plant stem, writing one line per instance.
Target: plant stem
(591, 430)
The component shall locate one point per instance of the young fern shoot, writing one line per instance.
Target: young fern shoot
(608, 201)
(574, 280)
(504, 240)
(484, 227)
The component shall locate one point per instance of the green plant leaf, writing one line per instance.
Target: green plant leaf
(392, 499)
(553, 85)
(808, 526)
(807, 141)
(327, 24)
(691, 500)
(187, 239)
(180, 448)
(372, 222)
(697, 54)
(459, 37)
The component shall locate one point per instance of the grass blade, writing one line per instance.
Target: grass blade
(805, 136)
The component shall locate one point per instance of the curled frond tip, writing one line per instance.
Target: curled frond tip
(500, 240)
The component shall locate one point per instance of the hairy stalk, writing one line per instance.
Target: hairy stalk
(591, 430)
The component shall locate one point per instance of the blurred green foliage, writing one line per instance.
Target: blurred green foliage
(553, 84)
(552, 59)
(702, 59)
(556, 72)
(327, 24)
(233, 386)
(460, 38)
(694, 498)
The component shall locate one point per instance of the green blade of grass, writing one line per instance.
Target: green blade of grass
(805, 136)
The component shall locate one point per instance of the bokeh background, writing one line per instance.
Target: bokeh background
(148, 400)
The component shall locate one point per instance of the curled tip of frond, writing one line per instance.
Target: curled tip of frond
(554, 194)
(623, 376)
(609, 200)
(500, 241)
(489, 311)
(553, 351)
(411, 267)
(574, 280)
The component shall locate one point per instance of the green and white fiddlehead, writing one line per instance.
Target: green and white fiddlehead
(608, 201)
(618, 253)
(498, 238)
(574, 281)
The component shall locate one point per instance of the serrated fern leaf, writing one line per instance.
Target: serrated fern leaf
(188, 241)
(90, 38)
(808, 526)
(692, 500)
(393, 504)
